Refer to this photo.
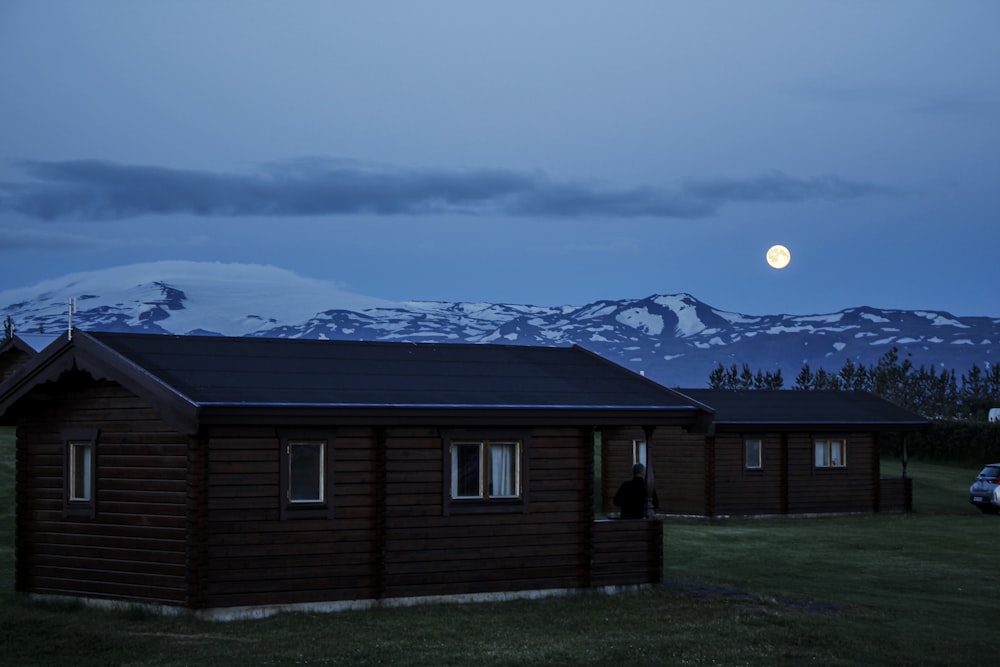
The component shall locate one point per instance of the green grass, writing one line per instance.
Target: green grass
(861, 590)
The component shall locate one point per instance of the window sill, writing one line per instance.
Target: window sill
(79, 510)
(307, 511)
(517, 506)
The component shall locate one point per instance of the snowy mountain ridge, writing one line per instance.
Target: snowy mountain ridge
(672, 338)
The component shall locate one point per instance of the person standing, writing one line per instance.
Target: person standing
(631, 496)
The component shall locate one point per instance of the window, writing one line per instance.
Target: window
(486, 469)
(639, 452)
(306, 471)
(830, 452)
(80, 473)
(753, 449)
(306, 474)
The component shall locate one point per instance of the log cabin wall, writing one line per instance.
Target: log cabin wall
(400, 541)
(254, 556)
(682, 471)
(435, 546)
(743, 491)
(132, 546)
(852, 488)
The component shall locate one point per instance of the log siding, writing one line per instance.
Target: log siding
(134, 547)
(255, 556)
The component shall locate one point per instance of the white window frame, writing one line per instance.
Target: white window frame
(830, 452)
(485, 462)
(320, 481)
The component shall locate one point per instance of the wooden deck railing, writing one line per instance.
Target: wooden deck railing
(627, 552)
(895, 494)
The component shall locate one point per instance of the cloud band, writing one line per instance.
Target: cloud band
(101, 190)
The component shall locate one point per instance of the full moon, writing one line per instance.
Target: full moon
(778, 256)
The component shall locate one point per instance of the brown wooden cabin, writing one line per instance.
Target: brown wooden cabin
(237, 476)
(17, 352)
(773, 453)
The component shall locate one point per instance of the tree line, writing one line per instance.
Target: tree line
(939, 395)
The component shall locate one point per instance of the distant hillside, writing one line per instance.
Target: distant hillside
(672, 338)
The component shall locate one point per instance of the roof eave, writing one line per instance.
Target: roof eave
(438, 415)
(790, 426)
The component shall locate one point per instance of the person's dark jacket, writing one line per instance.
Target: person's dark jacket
(631, 498)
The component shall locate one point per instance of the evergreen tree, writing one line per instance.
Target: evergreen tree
(804, 380)
(717, 378)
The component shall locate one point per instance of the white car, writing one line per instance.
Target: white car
(985, 491)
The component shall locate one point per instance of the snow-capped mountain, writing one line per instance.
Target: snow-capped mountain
(672, 338)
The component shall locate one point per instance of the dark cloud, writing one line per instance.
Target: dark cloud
(98, 190)
(15, 241)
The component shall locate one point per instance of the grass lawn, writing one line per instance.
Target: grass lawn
(917, 589)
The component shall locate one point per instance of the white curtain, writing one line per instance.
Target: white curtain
(503, 469)
(821, 460)
(836, 452)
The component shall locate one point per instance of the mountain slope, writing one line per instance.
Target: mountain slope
(674, 339)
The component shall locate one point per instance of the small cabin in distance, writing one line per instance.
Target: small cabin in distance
(238, 476)
(782, 452)
(17, 352)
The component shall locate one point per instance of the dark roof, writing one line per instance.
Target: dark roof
(791, 409)
(213, 370)
(200, 375)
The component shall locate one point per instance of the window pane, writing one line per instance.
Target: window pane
(753, 452)
(837, 448)
(466, 470)
(80, 470)
(305, 472)
(504, 466)
(639, 451)
(821, 454)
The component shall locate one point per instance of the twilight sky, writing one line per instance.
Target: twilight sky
(544, 152)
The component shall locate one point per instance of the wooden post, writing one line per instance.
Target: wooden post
(650, 476)
(905, 456)
(381, 507)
